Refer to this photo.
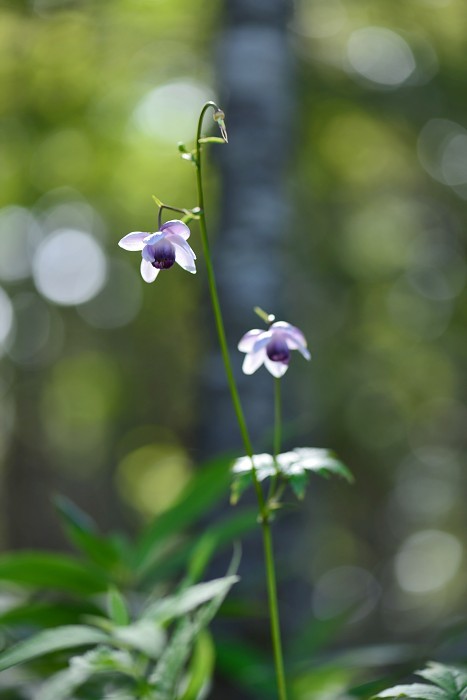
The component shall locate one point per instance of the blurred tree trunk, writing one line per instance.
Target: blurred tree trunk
(255, 77)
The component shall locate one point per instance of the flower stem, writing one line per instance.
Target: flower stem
(274, 610)
(277, 416)
(273, 490)
(262, 504)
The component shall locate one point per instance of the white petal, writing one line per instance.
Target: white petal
(253, 360)
(304, 351)
(295, 338)
(277, 369)
(249, 339)
(184, 255)
(153, 238)
(133, 241)
(176, 227)
(148, 272)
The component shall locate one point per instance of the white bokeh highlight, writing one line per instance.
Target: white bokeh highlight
(69, 267)
(427, 561)
(6, 319)
(380, 56)
(169, 111)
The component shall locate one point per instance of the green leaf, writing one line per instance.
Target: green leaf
(419, 691)
(47, 614)
(51, 640)
(299, 482)
(318, 460)
(157, 201)
(51, 571)
(144, 635)
(219, 535)
(197, 554)
(211, 139)
(240, 483)
(82, 532)
(62, 684)
(201, 666)
(452, 679)
(450, 684)
(189, 599)
(165, 676)
(172, 661)
(118, 611)
(201, 492)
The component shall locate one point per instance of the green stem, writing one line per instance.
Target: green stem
(277, 416)
(277, 437)
(274, 611)
(263, 506)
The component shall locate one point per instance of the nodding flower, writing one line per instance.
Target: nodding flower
(272, 348)
(160, 250)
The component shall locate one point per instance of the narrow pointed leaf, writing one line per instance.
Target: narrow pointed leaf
(47, 614)
(189, 599)
(299, 482)
(201, 666)
(201, 492)
(118, 611)
(52, 571)
(82, 532)
(211, 139)
(51, 640)
(144, 635)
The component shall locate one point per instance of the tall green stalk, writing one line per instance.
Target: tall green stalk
(262, 504)
(277, 416)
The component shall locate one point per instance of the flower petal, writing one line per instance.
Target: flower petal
(248, 341)
(184, 255)
(304, 351)
(148, 272)
(148, 253)
(277, 369)
(133, 241)
(253, 360)
(153, 238)
(176, 227)
(294, 337)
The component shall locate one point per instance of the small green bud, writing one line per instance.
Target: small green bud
(219, 117)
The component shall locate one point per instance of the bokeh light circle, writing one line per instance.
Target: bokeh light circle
(69, 267)
(6, 317)
(169, 111)
(381, 56)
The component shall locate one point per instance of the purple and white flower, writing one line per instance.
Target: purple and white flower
(272, 348)
(160, 250)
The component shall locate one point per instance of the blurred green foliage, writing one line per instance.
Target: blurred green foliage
(103, 386)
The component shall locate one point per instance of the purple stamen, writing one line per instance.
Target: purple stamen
(164, 255)
(277, 350)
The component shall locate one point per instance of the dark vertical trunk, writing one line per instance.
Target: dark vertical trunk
(255, 77)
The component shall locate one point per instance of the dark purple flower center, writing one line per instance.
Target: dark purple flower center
(277, 350)
(164, 255)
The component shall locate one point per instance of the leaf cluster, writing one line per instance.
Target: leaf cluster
(112, 603)
(445, 683)
(286, 469)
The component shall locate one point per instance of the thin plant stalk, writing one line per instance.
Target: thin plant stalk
(277, 439)
(277, 417)
(262, 504)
